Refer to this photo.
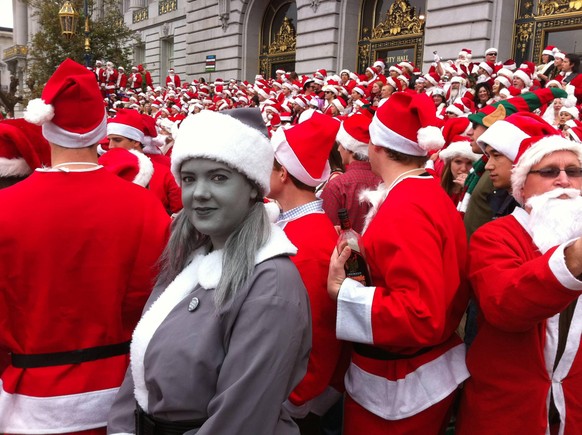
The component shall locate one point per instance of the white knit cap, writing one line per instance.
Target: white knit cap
(235, 137)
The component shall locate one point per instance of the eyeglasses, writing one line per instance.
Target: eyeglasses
(572, 172)
(328, 92)
(491, 54)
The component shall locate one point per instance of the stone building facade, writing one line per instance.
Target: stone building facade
(248, 37)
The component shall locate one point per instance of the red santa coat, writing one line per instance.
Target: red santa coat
(416, 250)
(164, 187)
(121, 80)
(315, 238)
(135, 81)
(75, 274)
(520, 293)
(175, 79)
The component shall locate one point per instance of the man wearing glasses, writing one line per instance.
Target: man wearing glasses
(526, 273)
(491, 56)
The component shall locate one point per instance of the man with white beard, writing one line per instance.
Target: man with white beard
(526, 272)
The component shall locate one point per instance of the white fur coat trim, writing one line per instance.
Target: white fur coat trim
(204, 270)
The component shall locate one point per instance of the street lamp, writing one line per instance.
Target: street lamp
(68, 18)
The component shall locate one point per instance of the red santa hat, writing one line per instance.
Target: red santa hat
(433, 78)
(549, 50)
(340, 104)
(70, 92)
(458, 146)
(531, 151)
(237, 138)
(360, 90)
(462, 107)
(127, 123)
(487, 66)
(455, 127)
(523, 74)
(406, 64)
(506, 135)
(466, 52)
(559, 55)
(396, 69)
(575, 133)
(510, 65)
(503, 80)
(407, 123)
(379, 64)
(354, 133)
(396, 84)
(22, 148)
(320, 74)
(301, 101)
(490, 50)
(304, 149)
(130, 165)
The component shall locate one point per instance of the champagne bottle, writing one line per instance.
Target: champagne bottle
(356, 267)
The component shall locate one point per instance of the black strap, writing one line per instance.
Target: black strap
(380, 354)
(79, 356)
(145, 424)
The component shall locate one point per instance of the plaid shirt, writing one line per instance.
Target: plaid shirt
(343, 192)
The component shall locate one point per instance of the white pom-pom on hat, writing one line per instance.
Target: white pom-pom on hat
(38, 112)
(430, 138)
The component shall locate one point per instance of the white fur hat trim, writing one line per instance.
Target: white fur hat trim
(220, 137)
(458, 149)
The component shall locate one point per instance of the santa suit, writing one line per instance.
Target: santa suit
(75, 278)
(135, 80)
(520, 293)
(121, 80)
(572, 79)
(315, 238)
(407, 358)
(173, 78)
(164, 187)
(110, 80)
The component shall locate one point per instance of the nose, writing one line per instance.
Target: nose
(200, 190)
(489, 165)
(562, 180)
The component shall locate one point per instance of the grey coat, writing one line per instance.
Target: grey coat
(235, 366)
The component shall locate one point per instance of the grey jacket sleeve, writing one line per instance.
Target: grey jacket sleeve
(121, 417)
(266, 357)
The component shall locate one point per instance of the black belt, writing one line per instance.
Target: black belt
(71, 357)
(145, 424)
(378, 353)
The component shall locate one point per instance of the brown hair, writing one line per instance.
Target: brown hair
(406, 159)
(295, 181)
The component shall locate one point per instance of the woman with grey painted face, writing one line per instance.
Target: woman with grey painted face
(226, 334)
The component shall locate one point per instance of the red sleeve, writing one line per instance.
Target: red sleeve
(513, 284)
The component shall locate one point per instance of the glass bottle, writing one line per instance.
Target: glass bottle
(356, 267)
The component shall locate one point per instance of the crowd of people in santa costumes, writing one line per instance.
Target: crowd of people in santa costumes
(423, 164)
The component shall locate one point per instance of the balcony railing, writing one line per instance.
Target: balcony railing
(15, 51)
(165, 6)
(140, 15)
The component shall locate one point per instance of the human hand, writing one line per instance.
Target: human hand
(460, 179)
(337, 273)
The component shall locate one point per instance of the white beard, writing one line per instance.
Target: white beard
(554, 221)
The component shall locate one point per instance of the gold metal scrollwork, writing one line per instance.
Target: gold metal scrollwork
(364, 54)
(524, 32)
(285, 39)
(166, 6)
(401, 19)
(140, 15)
(553, 7)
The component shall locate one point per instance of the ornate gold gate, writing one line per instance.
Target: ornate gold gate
(278, 38)
(398, 36)
(538, 23)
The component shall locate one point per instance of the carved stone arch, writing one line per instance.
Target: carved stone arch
(252, 17)
(280, 51)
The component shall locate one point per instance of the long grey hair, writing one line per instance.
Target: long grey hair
(238, 260)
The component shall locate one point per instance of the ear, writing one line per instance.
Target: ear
(254, 194)
(283, 174)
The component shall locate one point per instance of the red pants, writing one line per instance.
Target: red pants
(433, 420)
